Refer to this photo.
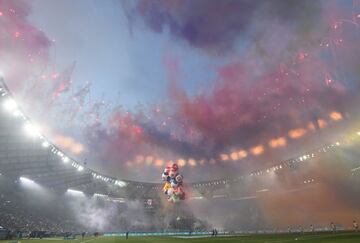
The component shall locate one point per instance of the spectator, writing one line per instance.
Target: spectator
(355, 226)
(333, 227)
(312, 228)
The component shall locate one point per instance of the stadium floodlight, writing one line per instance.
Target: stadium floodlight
(29, 183)
(117, 200)
(17, 113)
(99, 195)
(31, 130)
(75, 192)
(65, 159)
(45, 144)
(10, 104)
(120, 183)
(26, 180)
(80, 168)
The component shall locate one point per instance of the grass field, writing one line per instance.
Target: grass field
(307, 238)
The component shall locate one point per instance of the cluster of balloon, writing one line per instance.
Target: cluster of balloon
(173, 187)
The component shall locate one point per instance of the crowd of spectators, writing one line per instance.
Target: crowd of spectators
(24, 214)
(17, 217)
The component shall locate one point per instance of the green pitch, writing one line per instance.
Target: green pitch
(307, 238)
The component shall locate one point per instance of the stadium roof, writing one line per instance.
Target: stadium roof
(24, 152)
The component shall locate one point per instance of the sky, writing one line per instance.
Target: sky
(221, 88)
(98, 36)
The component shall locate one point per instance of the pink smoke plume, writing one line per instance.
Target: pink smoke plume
(24, 49)
(294, 69)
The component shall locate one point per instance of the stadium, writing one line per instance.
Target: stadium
(240, 123)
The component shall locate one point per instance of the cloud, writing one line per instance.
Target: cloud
(217, 26)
